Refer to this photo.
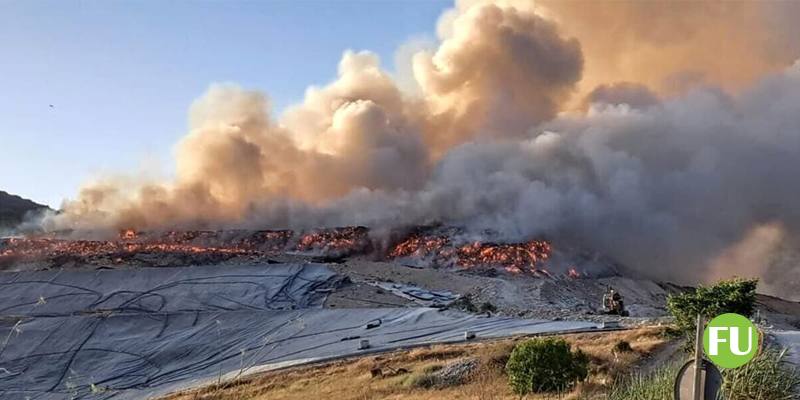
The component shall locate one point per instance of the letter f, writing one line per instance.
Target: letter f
(714, 340)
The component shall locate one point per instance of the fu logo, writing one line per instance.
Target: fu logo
(730, 340)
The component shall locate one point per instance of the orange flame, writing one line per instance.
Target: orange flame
(182, 247)
(341, 240)
(513, 257)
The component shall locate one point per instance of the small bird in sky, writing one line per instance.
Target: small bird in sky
(52, 106)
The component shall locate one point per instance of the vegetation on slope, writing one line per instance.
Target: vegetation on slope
(767, 377)
(545, 365)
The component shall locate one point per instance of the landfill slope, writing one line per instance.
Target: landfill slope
(137, 333)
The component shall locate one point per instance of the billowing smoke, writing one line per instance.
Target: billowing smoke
(672, 181)
(498, 71)
(672, 47)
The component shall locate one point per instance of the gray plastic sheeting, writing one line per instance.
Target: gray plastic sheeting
(148, 290)
(141, 354)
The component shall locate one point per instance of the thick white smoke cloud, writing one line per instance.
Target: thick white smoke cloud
(498, 71)
(670, 185)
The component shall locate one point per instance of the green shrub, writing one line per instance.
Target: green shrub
(545, 365)
(730, 296)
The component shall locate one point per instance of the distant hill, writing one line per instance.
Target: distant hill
(14, 208)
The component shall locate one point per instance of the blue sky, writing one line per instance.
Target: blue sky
(121, 75)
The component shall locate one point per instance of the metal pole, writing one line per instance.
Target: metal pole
(697, 390)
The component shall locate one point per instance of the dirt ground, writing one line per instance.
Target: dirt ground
(511, 294)
(526, 296)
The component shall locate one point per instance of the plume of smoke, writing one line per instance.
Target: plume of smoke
(665, 189)
(752, 255)
(663, 183)
(673, 46)
(499, 70)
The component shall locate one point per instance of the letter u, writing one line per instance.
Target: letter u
(735, 345)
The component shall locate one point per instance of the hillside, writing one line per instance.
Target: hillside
(14, 208)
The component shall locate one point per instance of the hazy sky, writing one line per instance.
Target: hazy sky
(121, 75)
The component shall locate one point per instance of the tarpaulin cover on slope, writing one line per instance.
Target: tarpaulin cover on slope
(141, 354)
(260, 287)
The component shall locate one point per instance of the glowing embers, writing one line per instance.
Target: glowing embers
(513, 257)
(267, 241)
(59, 252)
(440, 247)
(336, 241)
(422, 246)
(439, 250)
(181, 248)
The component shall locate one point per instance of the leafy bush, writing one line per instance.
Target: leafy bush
(730, 296)
(766, 377)
(545, 365)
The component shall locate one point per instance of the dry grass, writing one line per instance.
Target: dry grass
(353, 379)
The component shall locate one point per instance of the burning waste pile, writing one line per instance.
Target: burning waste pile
(487, 253)
(438, 249)
(58, 252)
(179, 248)
(423, 247)
(336, 242)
